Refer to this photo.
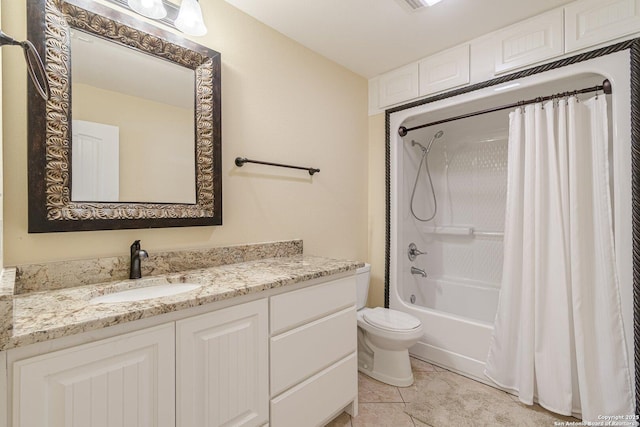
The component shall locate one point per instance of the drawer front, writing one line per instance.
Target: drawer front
(301, 352)
(311, 402)
(295, 308)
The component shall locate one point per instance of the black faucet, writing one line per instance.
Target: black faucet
(136, 255)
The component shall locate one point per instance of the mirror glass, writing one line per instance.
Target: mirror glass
(132, 125)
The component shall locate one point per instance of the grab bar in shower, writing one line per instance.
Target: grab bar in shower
(453, 230)
(461, 231)
(488, 233)
(242, 160)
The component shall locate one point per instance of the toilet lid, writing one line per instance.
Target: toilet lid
(390, 320)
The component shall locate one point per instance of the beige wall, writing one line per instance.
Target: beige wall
(157, 161)
(281, 102)
(1, 169)
(377, 209)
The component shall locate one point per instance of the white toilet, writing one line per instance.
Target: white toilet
(384, 338)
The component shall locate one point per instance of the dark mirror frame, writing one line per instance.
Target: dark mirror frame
(50, 206)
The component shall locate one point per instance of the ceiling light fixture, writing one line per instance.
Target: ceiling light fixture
(153, 9)
(190, 19)
(187, 19)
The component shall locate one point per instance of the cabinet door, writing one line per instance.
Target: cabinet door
(123, 381)
(399, 85)
(528, 42)
(444, 70)
(590, 22)
(222, 367)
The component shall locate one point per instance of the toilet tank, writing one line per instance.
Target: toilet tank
(362, 285)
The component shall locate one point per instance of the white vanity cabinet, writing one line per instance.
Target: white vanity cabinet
(222, 370)
(313, 362)
(122, 381)
(280, 358)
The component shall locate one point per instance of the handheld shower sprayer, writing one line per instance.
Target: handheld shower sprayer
(34, 63)
(425, 152)
(436, 136)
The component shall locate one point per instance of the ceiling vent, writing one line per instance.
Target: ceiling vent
(414, 5)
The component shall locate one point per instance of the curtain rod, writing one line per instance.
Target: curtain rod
(605, 87)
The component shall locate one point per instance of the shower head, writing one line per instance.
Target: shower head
(436, 136)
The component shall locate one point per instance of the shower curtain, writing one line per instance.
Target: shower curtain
(558, 335)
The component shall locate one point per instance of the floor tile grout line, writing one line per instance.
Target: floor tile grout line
(400, 394)
(509, 400)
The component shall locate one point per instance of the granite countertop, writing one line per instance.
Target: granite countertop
(50, 314)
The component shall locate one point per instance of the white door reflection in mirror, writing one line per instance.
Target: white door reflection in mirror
(94, 162)
(151, 101)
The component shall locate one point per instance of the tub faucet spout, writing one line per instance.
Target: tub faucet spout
(135, 272)
(419, 271)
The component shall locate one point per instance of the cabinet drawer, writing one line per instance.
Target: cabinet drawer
(301, 352)
(295, 308)
(309, 403)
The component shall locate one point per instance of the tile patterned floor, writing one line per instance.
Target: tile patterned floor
(382, 405)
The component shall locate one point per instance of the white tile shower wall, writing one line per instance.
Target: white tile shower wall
(470, 179)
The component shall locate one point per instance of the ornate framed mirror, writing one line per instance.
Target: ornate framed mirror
(131, 135)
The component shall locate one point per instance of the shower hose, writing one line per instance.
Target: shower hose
(415, 184)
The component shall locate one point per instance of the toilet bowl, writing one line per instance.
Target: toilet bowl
(384, 338)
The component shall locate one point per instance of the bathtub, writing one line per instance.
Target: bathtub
(458, 318)
(463, 299)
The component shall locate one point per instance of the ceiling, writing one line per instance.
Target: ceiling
(371, 37)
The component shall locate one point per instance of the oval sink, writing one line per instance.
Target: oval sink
(139, 294)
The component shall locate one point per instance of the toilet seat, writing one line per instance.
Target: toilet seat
(390, 320)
